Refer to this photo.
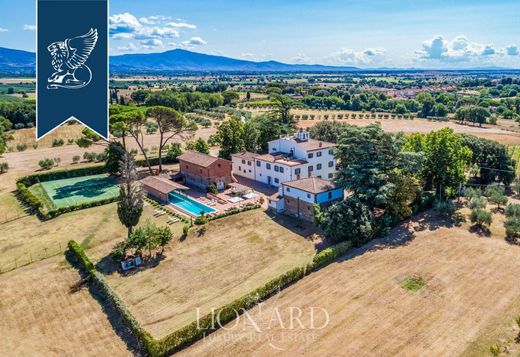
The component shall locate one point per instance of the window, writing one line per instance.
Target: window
(218, 165)
(310, 156)
(318, 154)
(297, 171)
(243, 161)
(310, 168)
(318, 167)
(240, 168)
(308, 195)
(329, 195)
(249, 170)
(249, 163)
(330, 175)
(288, 189)
(281, 169)
(331, 152)
(331, 163)
(268, 166)
(276, 180)
(258, 164)
(274, 149)
(276, 168)
(319, 176)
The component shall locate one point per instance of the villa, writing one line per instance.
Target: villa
(201, 170)
(297, 198)
(289, 158)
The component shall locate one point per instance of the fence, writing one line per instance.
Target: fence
(10, 262)
(6, 218)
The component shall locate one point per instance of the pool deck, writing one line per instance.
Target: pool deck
(218, 205)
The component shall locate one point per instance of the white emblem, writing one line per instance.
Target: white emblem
(68, 61)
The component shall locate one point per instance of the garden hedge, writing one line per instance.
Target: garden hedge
(194, 331)
(61, 174)
(129, 320)
(27, 197)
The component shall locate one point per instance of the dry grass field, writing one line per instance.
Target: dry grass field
(28, 136)
(28, 239)
(40, 317)
(471, 289)
(234, 256)
(425, 126)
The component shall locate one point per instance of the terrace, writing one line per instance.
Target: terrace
(189, 201)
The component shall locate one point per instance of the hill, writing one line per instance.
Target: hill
(17, 62)
(187, 61)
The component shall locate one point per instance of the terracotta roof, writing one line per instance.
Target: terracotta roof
(311, 185)
(280, 158)
(162, 184)
(311, 144)
(198, 158)
(246, 155)
(275, 197)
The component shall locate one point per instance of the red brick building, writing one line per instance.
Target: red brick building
(202, 170)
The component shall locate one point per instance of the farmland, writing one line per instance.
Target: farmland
(470, 286)
(40, 316)
(211, 267)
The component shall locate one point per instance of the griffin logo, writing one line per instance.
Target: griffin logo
(68, 61)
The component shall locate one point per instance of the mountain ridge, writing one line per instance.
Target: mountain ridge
(20, 62)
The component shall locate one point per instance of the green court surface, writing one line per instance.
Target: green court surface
(78, 190)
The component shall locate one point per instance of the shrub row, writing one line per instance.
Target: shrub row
(194, 331)
(61, 174)
(198, 329)
(234, 211)
(27, 197)
(330, 254)
(168, 211)
(129, 320)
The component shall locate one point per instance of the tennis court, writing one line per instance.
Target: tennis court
(77, 190)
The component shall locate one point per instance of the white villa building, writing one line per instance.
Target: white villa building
(290, 158)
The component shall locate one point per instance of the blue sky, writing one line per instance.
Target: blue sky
(413, 33)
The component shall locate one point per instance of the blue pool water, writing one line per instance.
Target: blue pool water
(189, 205)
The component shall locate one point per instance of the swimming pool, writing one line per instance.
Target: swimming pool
(189, 205)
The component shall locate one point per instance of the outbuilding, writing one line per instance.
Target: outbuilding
(299, 196)
(203, 170)
(158, 187)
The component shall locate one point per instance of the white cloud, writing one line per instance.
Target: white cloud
(488, 51)
(123, 23)
(29, 27)
(180, 25)
(347, 56)
(149, 32)
(130, 47)
(193, 42)
(459, 49)
(151, 43)
(512, 50)
(3, 29)
(300, 58)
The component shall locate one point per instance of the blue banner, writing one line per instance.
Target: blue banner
(72, 64)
